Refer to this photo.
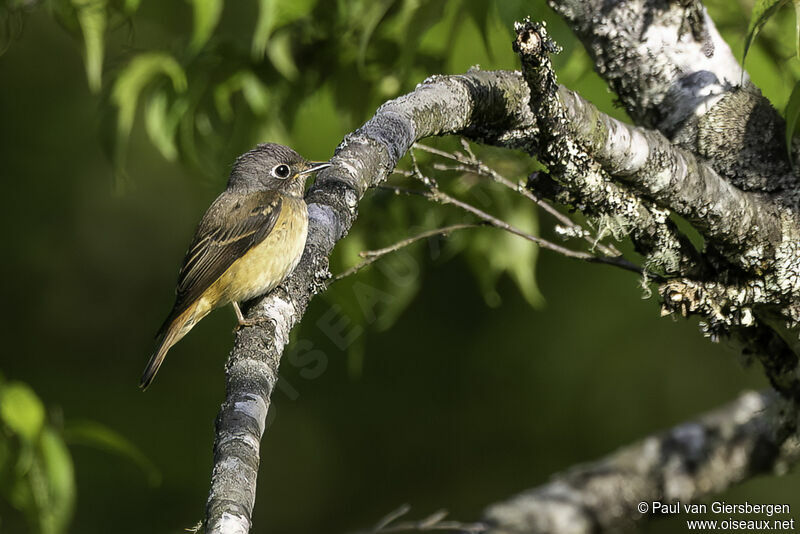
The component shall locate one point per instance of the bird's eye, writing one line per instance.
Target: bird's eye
(281, 171)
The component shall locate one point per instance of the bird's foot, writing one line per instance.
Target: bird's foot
(245, 322)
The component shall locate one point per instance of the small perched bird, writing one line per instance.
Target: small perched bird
(248, 241)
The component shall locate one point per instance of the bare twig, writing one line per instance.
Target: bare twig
(472, 164)
(437, 195)
(372, 255)
(434, 522)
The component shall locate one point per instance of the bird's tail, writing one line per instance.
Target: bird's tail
(172, 331)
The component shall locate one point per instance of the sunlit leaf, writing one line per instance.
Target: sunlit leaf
(131, 6)
(797, 27)
(266, 18)
(369, 19)
(519, 255)
(141, 70)
(206, 17)
(41, 484)
(254, 91)
(96, 435)
(279, 51)
(59, 476)
(21, 410)
(792, 114)
(273, 15)
(288, 12)
(92, 18)
(762, 11)
(161, 121)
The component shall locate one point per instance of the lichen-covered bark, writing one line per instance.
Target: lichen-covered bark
(487, 104)
(746, 278)
(686, 463)
(745, 225)
(673, 72)
(713, 154)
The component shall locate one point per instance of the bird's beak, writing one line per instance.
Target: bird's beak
(314, 166)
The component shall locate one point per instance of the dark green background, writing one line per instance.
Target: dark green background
(456, 406)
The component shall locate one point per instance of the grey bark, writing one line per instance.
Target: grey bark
(491, 104)
(673, 73)
(686, 463)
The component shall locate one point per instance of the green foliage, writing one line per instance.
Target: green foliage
(378, 294)
(763, 10)
(206, 17)
(141, 71)
(37, 475)
(93, 434)
(305, 73)
(21, 410)
(792, 114)
(92, 20)
(273, 14)
(36, 471)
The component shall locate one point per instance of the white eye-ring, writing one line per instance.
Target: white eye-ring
(281, 171)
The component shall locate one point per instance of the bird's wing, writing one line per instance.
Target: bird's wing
(230, 227)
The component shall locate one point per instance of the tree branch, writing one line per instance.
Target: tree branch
(745, 438)
(472, 164)
(672, 71)
(490, 107)
(492, 102)
(752, 233)
(746, 227)
(371, 256)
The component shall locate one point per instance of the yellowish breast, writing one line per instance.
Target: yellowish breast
(266, 264)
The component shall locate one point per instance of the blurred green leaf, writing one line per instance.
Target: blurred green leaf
(273, 14)
(96, 435)
(519, 255)
(762, 11)
(412, 23)
(511, 11)
(21, 410)
(576, 64)
(792, 114)
(369, 18)
(41, 483)
(481, 13)
(279, 51)
(206, 17)
(797, 28)
(59, 476)
(254, 92)
(162, 120)
(131, 6)
(266, 18)
(92, 18)
(139, 72)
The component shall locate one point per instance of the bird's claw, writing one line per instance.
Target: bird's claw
(244, 323)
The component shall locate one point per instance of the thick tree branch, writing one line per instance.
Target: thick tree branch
(747, 437)
(753, 233)
(490, 104)
(495, 107)
(672, 71)
(746, 227)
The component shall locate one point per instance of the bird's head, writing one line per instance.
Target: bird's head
(273, 166)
